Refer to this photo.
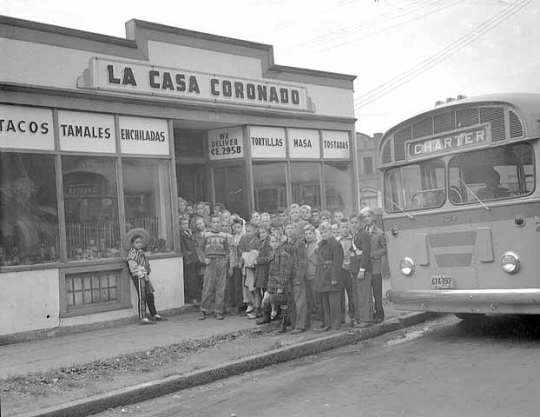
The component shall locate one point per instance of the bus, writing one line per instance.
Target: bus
(462, 209)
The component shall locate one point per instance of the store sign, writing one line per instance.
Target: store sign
(304, 144)
(129, 77)
(144, 136)
(226, 143)
(336, 144)
(26, 128)
(267, 142)
(86, 132)
(465, 139)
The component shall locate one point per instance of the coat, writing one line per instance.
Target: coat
(280, 271)
(187, 246)
(360, 251)
(261, 270)
(378, 249)
(296, 248)
(329, 266)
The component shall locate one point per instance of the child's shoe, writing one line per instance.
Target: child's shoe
(219, 316)
(202, 316)
(146, 321)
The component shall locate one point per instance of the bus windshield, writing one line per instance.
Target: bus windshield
(416, 186)
(491, 174)
(504, 172)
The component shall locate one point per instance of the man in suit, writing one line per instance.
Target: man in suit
(378, 250)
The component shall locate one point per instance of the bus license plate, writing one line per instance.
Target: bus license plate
(441, 282)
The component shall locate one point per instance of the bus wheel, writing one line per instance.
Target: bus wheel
(468, 317)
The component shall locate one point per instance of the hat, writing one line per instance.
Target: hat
(367, 210)
(126, 243)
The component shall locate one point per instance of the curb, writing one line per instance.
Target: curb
(149, 390)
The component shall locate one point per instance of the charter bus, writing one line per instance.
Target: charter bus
(462, 209)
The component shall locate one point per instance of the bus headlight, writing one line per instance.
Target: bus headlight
(510, 262)
(407, 267)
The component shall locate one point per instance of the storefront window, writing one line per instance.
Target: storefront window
(306, 183)
(337, 185)
(270, 186)
(91, 207)
(147, 198)
(28, 214)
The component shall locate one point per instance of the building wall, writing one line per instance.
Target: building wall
(60, 67)
(49, 67)
(370, 185)
(38, 309)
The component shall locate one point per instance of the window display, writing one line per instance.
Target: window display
(28, 209)
(147, 200)
(91, 207)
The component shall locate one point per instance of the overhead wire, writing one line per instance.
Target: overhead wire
(381, 30)
(440, 56)
(337, 34)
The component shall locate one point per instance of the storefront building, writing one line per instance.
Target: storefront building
(101, 134)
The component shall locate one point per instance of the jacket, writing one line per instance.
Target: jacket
(360, 251)
(279, 271)
(378, 249)
(261, 270)
(187, 246)
(296, 248)
(329, 266)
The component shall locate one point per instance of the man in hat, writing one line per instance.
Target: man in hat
(139, 269)
(492, 188)
(378, 250)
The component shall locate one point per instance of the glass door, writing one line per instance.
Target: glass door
(192, 182)
(229, 188)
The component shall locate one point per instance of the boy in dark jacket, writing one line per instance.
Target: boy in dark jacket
(329, 277)
(190, 260)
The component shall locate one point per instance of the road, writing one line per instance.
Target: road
(441, 368)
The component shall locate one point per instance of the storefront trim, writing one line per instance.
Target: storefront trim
(153, 106)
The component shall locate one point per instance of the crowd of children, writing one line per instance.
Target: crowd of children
(296, 265)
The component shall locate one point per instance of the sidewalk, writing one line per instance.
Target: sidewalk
(133, 363)
(75, 349)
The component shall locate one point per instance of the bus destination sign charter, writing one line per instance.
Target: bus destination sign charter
(466, 139)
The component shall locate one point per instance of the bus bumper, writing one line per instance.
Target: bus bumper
(503, 301)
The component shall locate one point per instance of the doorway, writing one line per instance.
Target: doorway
(229, 188)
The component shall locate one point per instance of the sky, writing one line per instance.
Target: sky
(406, 54)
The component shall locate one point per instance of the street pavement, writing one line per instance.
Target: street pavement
(80, 348)
(441, 368)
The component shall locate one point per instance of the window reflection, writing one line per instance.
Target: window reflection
(28, 215)
(337, 184)
(270, 186)
(306, 183)
(147, 200)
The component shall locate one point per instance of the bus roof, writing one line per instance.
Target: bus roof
(472, 122)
